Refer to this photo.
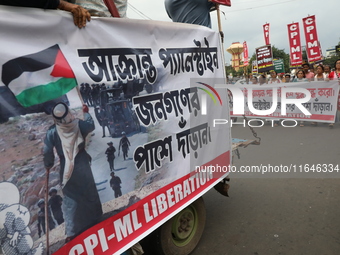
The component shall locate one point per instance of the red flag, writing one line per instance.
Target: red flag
(294, 44)
(312, 45)
(266, 33)
(245, 54)
(223, 2)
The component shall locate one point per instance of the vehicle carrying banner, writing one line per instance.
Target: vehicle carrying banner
(136, 148)
(322, 104)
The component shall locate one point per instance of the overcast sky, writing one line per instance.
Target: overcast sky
(243, 21)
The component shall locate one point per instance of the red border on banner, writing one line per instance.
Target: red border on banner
(119, 232)
(313, 117)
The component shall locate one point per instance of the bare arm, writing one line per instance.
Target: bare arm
(80, 15)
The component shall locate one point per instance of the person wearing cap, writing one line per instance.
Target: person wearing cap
(110, 153)
(124, 143)
(115, 183)
(55, 203)
(81, 204)
(41, 218)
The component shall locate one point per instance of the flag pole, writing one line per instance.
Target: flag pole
(47, 229)
(219, 22)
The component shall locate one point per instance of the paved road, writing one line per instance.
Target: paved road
(268, 214)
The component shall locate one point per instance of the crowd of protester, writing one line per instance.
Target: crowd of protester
(306, 73)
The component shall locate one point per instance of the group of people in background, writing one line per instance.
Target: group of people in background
(305, 74)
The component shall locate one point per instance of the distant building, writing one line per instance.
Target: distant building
(330, 52)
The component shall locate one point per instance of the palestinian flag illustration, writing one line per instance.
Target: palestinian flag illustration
(39, 77)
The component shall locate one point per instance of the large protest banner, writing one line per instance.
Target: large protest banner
(150, 76)
(322, 104)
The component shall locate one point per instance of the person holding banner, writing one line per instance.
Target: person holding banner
(80, 15)
(273, 77)
(320, 74)
(253, 80)
(287, 78)
(335, 75)
(192, 12)
(300, 76)
(81, 204)
(309, 74)
(262, 79)
(327, 69)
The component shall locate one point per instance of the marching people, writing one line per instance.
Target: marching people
(41, 218)
(272, 80)
(81, 204)
(309, 74)
(262, 79)
(327, 70)
(335, 75)
(110, 153)
(124, 143)
(320, 76)
(320, 73)
(273, 77)
(287, 78)
(55, 203)
(253, 80)
(115, 185)
(281, 77)
(300, 77)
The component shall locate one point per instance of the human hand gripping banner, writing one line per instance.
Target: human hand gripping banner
(322, 104)
(128, 162)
